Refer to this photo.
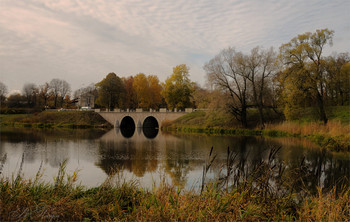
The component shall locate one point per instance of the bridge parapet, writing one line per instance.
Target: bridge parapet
(116, 117)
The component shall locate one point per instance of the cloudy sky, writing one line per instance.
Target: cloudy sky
(82, 41)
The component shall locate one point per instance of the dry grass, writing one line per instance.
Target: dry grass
(332, 128)
(334, 135)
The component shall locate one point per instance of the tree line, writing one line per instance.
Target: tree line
(53, 94)
(297, 76)
(139, 91)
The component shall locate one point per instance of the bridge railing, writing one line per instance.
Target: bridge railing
(139, 110)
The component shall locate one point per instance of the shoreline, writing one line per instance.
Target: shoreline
(333, 144)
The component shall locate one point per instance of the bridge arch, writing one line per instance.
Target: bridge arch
(150, 122)
(150, 127)
(127, 126)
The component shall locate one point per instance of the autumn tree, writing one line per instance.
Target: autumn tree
(130, 99)
(110, 90)
(148, 91)
(141, 87)
(155, 90)
(302, 59)
(177, 89)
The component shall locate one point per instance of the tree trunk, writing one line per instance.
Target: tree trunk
(244, 116)
(320, 102)
(55, 101)
(258, 102)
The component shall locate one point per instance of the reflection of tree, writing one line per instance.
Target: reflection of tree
(177, 162)
(114, 157)
(137, 158)
(145, 159)
(30, 135)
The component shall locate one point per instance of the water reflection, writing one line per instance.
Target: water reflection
(145, 155)
(150, 132)
(128, 132)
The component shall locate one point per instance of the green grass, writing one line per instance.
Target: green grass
(54, 119)
(339, 113)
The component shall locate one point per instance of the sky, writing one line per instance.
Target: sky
(82, 41)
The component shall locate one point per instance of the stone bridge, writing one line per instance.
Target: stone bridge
(138, 118)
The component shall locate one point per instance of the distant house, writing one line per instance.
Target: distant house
(86, 100)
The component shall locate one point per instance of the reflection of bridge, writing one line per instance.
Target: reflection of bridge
(141, 118)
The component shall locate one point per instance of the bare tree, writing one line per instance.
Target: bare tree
(44, 93)
(89, 89)
(3, 92)
(55, 85)
(59, 88)
(64, 90)
(261, 65)
(228, 71)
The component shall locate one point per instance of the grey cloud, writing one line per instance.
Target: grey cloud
(77, 40)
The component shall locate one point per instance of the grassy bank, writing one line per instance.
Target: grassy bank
(251, 198)
(334, 136)
(54, 119)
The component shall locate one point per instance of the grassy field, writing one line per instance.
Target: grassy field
(252, 198)
(55, 119)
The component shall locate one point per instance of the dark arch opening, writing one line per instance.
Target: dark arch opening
(127, 127)
(150, 127)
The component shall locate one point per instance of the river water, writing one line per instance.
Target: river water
(158, 156)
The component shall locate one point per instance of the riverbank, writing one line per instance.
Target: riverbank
(334, 136)
(252, 199)
(55, 119)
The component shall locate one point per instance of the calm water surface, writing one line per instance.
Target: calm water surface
(178, 159)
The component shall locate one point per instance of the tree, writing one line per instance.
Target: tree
(130, 99)
(110, 90)
(261, 66)
(15, 101)
(3, 92)
(302, 59)
(55, 85)
(147, 90)
(30, 92)
(155, 90)
(64, 90)
(337, 68)
(141, 89)
(229, 73)
(89, 89)
(44, 93)
(177, 89)
(59, 88)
